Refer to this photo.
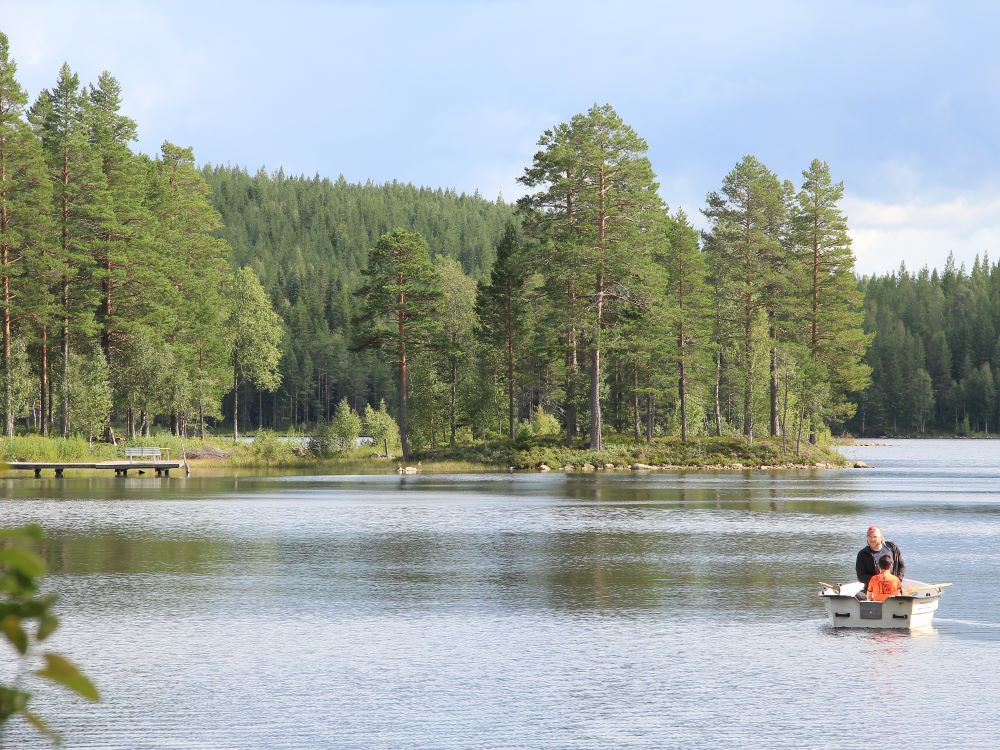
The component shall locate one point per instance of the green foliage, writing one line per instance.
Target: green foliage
(89, 394)
(747, 254)
(935, 356)
(594, 213)
(543, 424)
(379, 425)
(256, 333)
(266, 449)
(502, 313)
(346, 426)
(339, 435)
(27, 619)
(293, 293)
(307, 238)
(718, 452)
(399, 307)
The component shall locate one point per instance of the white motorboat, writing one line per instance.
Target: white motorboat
(912, 609)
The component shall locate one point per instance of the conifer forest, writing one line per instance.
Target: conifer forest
(146, 293)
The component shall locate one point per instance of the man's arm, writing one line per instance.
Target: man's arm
(859, 568)
(901, 567)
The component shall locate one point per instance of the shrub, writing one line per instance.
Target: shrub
(543, 423)
(379, 425)
(346, 426)
(266, 448)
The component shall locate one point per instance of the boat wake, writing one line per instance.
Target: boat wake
(973, 623)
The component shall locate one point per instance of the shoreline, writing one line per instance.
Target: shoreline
(269, 455)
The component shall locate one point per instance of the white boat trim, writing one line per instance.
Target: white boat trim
(913, 609)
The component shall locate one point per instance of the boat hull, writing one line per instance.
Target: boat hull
(896, 612)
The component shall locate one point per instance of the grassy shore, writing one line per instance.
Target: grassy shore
(269, 451)
(726, 452)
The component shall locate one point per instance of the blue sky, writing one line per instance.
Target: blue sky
(900, 98)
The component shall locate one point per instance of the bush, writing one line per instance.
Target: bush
(346, 426)
(339, 436)
(266, 448)
(543, 423)
(379, 425)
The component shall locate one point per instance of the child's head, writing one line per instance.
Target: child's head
(885, 562)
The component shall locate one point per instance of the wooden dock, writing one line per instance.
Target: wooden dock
(121, 468)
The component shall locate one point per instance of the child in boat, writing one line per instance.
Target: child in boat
(884, 584)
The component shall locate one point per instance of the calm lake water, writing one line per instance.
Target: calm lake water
(519, 611)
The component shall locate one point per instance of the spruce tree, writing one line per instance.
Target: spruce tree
(502, 312)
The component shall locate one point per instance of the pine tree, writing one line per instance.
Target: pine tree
(190, 314)
(25, 206)
(131, 277)
(746, 221)
(836, 340)
(598, 198)
(687, 299)
(82, 212)
(399, 300)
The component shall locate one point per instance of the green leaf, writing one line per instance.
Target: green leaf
(22, 561)
(47, 625)
(36, 721)
(12, 702)
(30, 531)
(61, 670)
(11, 627)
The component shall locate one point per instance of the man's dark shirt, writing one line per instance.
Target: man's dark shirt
(866, 564)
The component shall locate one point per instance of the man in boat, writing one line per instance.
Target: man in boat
(866, 565)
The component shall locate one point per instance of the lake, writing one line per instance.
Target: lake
(503, 610)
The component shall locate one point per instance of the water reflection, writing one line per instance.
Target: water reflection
(508, 610)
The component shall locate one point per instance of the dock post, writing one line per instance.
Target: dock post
(59, 471)
(166, 472)
(38, 472)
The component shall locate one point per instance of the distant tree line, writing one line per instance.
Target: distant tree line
(119, 305)
(308, 240)
(936, 354)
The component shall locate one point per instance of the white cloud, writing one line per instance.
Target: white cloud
(923, 231)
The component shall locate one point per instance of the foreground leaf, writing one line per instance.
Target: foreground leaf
(23, 561)
(43, 728)
(11, 627)
(47, 626)
(61, 670)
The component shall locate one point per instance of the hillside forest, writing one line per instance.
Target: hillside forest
(143, 293)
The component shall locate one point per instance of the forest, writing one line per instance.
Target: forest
(587, 307)
(935, 357)
(143, 293)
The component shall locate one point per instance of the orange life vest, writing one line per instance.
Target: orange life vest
(883, 585)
